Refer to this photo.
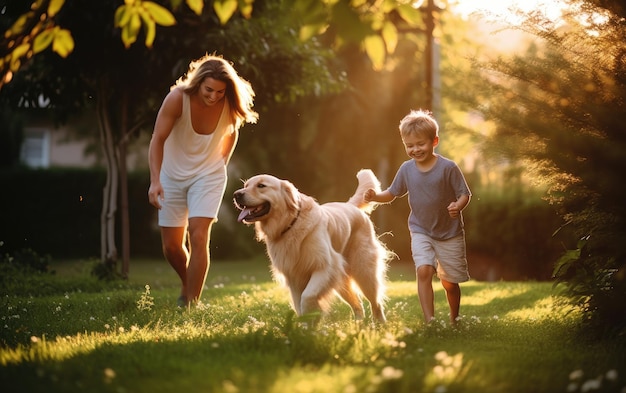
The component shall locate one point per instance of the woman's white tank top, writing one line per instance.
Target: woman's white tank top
(187, 153)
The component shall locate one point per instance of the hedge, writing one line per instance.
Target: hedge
(56, 212)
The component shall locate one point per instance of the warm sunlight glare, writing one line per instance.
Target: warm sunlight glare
(506, 10)
(542, 308)
(486, 296)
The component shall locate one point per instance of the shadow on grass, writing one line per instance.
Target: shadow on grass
(195, 365)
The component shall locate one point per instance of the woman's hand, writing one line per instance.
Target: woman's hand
(155, 194)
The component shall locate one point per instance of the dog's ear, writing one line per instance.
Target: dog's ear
(291, 193)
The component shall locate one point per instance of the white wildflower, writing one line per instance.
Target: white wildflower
(441, 389)
(391, 373)
(441, 355)
(109, 375)
(572, 387)
(612, 375)
(592, 384)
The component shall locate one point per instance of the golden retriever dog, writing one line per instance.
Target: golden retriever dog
(318, 250)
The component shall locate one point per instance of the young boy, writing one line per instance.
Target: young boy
(437, 193)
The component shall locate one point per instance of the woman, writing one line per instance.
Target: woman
(194, 136)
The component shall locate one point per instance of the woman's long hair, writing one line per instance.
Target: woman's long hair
(239, 92)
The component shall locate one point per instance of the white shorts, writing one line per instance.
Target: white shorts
(448, 257)
(200, 196)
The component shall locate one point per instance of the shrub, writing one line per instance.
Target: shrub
(26, 261)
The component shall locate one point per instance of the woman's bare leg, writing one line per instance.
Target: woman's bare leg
(199, 258)
(176, 253)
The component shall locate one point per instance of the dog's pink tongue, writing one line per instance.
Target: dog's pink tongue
(244, 212)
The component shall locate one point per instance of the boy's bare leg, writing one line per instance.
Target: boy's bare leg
(425, 292)
(453, 293)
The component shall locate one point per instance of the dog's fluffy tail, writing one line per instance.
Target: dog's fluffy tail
(367, 180)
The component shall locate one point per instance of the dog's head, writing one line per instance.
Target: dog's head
(265, 196)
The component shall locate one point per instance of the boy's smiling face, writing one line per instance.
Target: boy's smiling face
(420, 148)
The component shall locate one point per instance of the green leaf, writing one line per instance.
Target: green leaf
(564, 263)
(131, 29)
(310, 12)
(127, 39)
(196, 6)
(63, 43)
(410, 14)
(54, 7)
(149, 27)
(161, 15)
(389, 5)
(245, 8)
(375, 49)
(122, 16)
(390, 35)
(349, 24)
(17, 53)
(15, 64)
(225, 9)
(17, 27)
(308, 31)
(135, 24)
(43, 40)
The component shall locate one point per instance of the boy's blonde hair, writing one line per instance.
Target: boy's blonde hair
(419, 122)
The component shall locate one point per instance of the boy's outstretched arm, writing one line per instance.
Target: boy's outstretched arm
(381, 197)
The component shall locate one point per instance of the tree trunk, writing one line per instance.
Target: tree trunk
(124, 189)
(108, 252)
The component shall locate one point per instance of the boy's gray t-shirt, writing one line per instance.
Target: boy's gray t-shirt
(430, 193)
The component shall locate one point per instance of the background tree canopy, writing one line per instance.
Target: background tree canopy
(557, 109)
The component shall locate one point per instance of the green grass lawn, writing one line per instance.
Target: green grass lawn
(70, 333)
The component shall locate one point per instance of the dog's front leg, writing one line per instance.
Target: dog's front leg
(314, 296)
(296, 296)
